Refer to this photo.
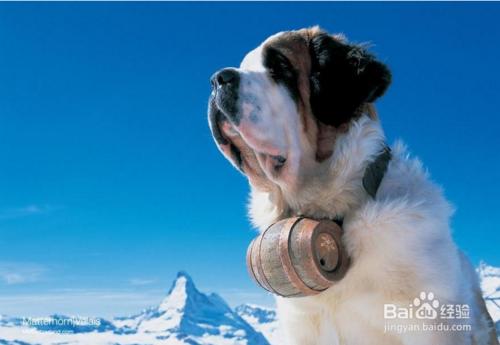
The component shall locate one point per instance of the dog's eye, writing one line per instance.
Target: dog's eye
(278, 66)
(281, 70)
(277, 71)
(272, 73)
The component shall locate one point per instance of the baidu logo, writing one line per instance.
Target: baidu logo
(427, 306)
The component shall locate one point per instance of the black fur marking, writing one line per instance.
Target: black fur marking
(226, 84)
(281, 70)
(215, 116)
(343, 77)
(238, 160)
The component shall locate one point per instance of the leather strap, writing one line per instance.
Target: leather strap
(375, 172)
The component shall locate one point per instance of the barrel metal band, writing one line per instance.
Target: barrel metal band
(286, 262)
(310, 264)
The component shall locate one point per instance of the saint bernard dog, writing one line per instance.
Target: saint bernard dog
(297, 119)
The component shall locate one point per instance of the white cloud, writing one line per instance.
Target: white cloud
(141, 281)
(235, 297)
(106, 303)
(86, 302)
(20, 273)
(26, 211)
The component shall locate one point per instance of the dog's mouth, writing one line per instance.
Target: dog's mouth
(246, 151)
(269, 158)
(276, 162)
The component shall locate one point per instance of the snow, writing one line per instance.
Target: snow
(490, 284)
(189, 317)
(185, 317)
(176, 299)
(263, 320)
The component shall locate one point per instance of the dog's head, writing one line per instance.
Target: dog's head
(277, 116)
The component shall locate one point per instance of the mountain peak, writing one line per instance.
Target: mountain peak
(486, 270)
(190, 313)
(181, 289)
(183, 274)
(183, 282)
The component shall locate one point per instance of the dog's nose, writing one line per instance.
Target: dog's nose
(223, 77)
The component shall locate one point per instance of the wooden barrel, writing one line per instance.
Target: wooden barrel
(298, 257)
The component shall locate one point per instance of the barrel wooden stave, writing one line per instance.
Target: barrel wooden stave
(272, 264)
(256, 265)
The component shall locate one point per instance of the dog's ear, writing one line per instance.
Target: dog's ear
(343, 78)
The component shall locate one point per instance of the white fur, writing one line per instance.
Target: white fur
(269, 119)
(399, 244)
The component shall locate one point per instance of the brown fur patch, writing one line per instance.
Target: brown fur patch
(295, 46)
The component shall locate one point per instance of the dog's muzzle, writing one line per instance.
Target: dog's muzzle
(225, 89)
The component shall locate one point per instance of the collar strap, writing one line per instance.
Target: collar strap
(375, 172)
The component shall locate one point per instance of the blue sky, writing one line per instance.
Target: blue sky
(110, 181)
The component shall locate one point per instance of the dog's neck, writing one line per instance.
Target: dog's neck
(337, 190)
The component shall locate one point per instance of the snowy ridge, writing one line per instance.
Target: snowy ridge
(263, 320)
(490, 284)
(187, 316)
(190, 314)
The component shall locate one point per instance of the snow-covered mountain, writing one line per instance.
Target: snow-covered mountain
(185, 317)
(193, 317)
(490, 284)
(263, 320)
